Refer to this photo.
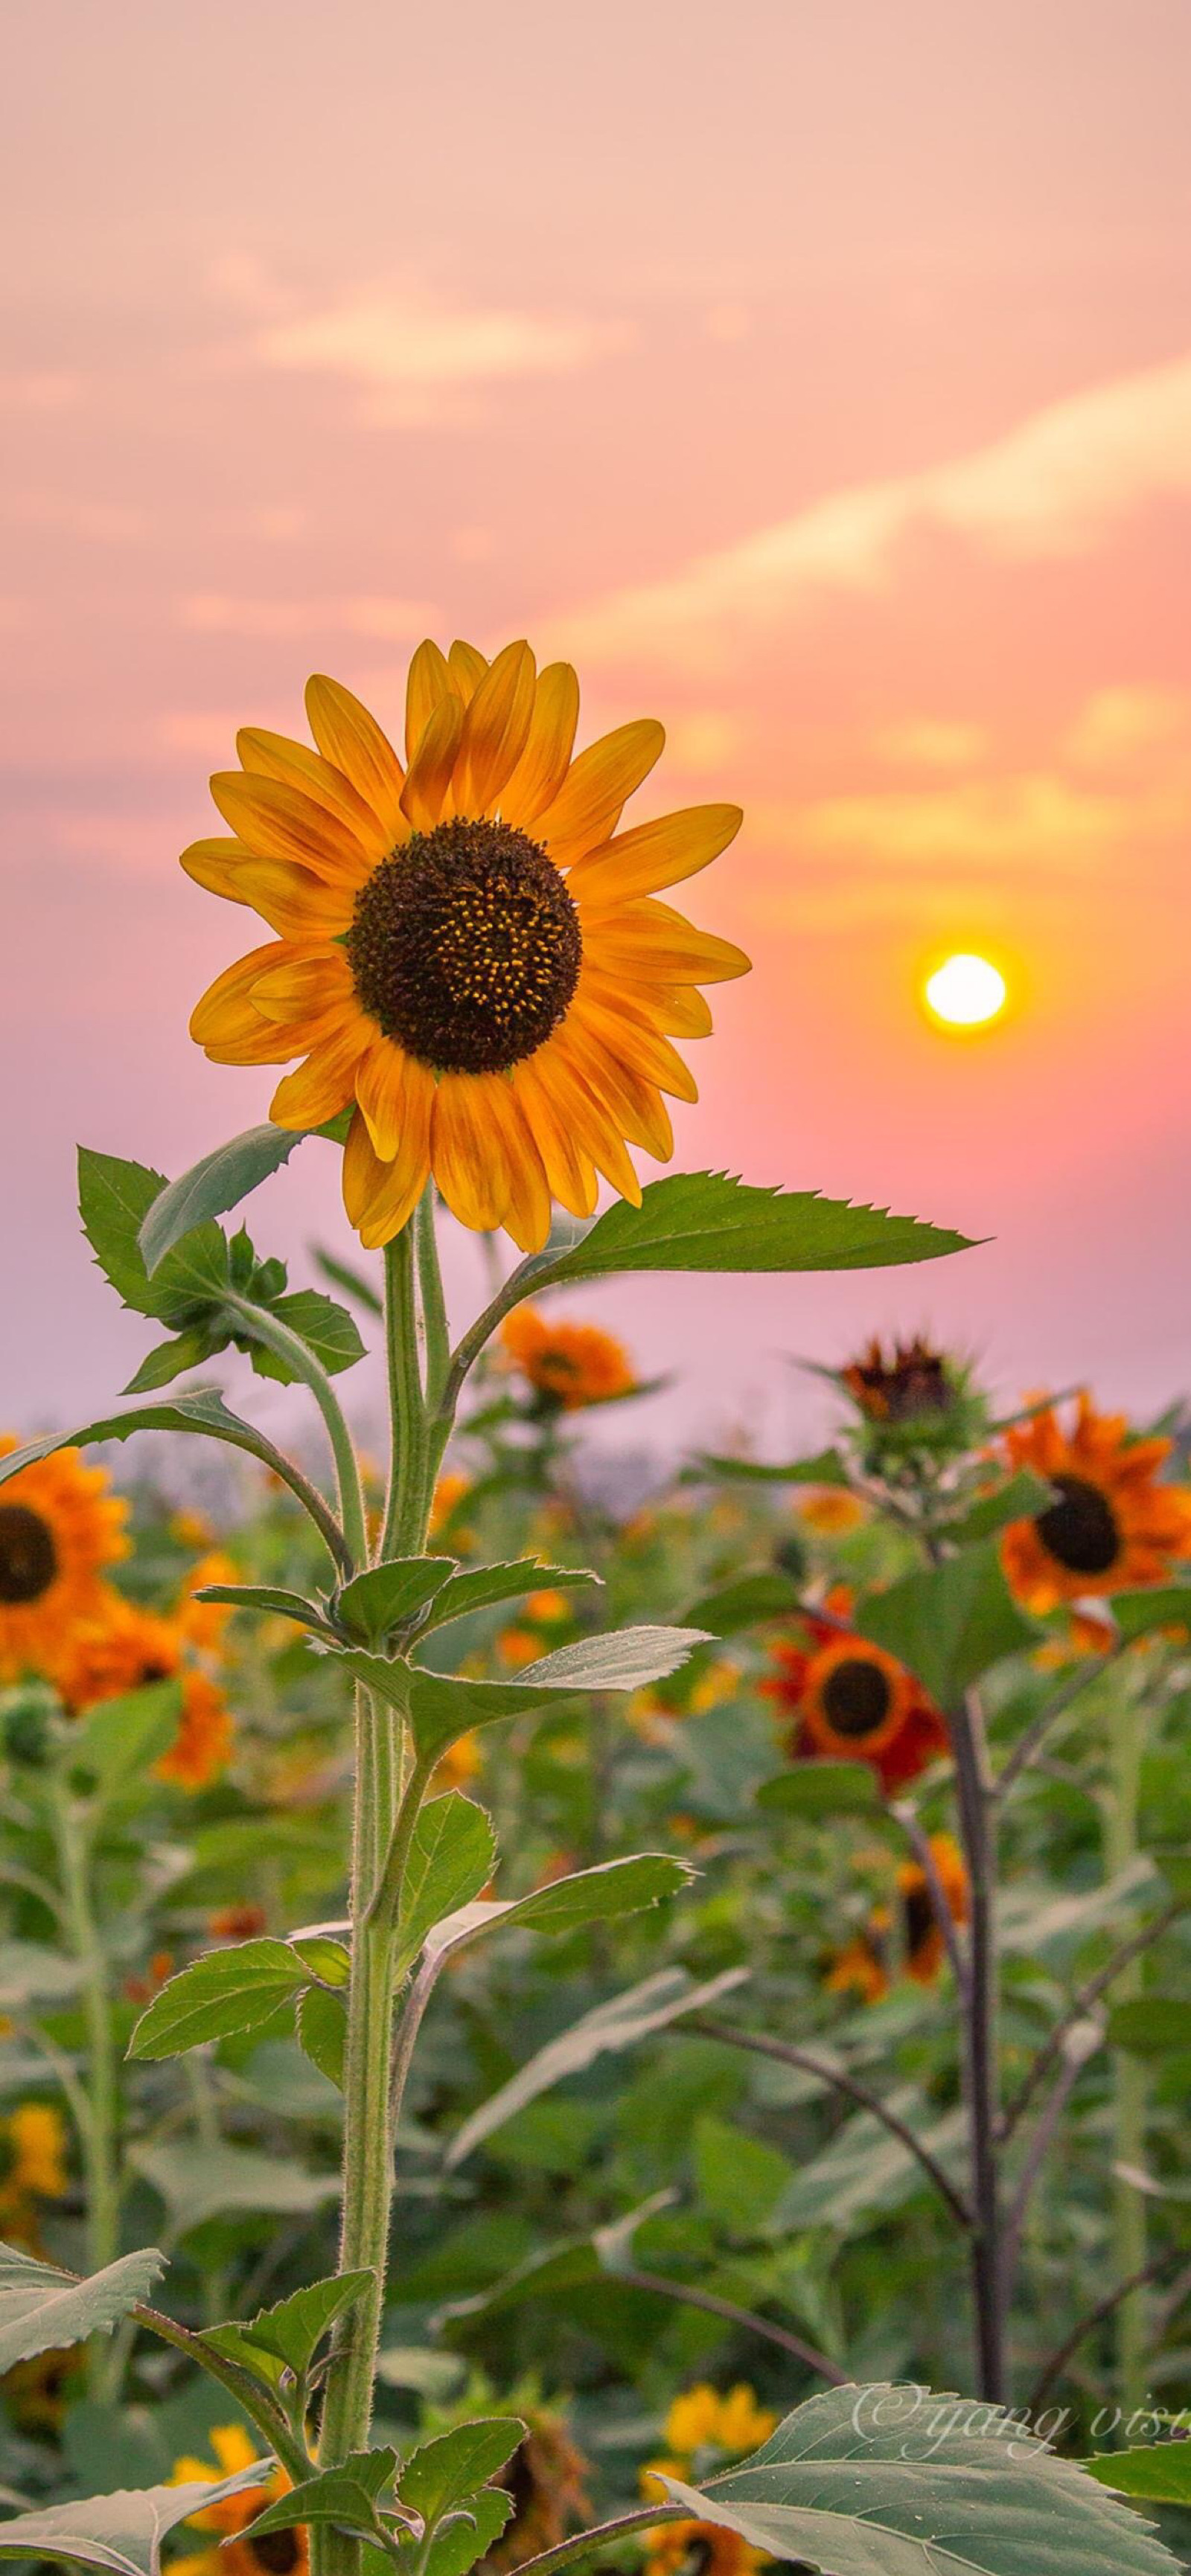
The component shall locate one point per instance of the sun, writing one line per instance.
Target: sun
(965, 992)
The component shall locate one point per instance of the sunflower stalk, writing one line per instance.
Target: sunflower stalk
(1130, 2091)
(100, 2133)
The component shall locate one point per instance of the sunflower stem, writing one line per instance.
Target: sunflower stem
(406, 1510)
(288, 1346)
(1126, 1748)
(75, 1842)
(976, 1801)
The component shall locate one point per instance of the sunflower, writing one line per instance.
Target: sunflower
(862, 1966)
(904, 1385)
(60, 1525)
(277, 2553)
(451, 1490)
(852, 1702)
(469, 956)
(701, 2420)
(123, 1648)
(547, 2480)
(33, 2141)
(1112, 1525)
(699, 2549)
(566, 1365)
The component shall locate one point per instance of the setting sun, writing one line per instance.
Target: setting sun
(965, 992)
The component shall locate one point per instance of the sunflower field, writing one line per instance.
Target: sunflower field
(542, 2022)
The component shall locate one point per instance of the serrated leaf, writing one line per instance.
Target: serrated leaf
(595, 1895)
(814, 1789)
(897, 2482)
(267, 1597)
(326, 1956)
(198, 2182)
(469, 2533)
(1157, 2473)
(223, 1992)
(949, 1623)
(43, 2309)
(219, 1182)
(322, 2033)
(1138, 1614)
(443, 2472)
(326, 1328)
(1022, 1498)
(613, 2026)
(168, 1360)
(711, 1221)
(483, 1585)
(288, 2335)
(450, 1859)
(122, 2534)
(442, 1707)
(374, 1604)
(121, 1739)
(345, 2497)
(115, 1199)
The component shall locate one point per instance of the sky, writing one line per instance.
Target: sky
(818, 380)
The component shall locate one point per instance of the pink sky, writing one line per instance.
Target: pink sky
(818, 380)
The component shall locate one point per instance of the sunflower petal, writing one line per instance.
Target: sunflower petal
(527, 1216)
(655, 854)
(588, 805)
(495, 728)
(384, 1079)
(272, 755)
(226, 1025)
(431, 769)
(428, 683)
(321, 1087)
(467, 667)
(380, 1196)
(304, 986)
(543, 765)
(295, 903)
(648, 939)
(216, 864)
(281, 822)
(350, 737)
(469, 1151)
(570, 1174)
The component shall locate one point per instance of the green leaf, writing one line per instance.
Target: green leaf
(120, 1739)
(115, 1198)
(1137, 1614)
(198, 2182)
(469, 2533)
(268, 1598)
(345, 2496)
(201, 1410)
(442, 1706)
(816, 1789)
(210, 1188)
(121, 2534)
(43, 2309)
(595, 1895)
(865, 2171)
(764, 1593)
(898, 2482)
(613, 2026)
(1158, 2473)
(1021, 1499)
(740, 2179)
(950, 1623)
(827, 1468)
(376, 1603)
(223, 1992)
(326, 1956)
(168, 1360)
(1151, 2025)
(342, 1274)
(483, 1585)
(326, 1328)
(446, 2471)
(290, 2333)
(450, 1859)
(322, 2033)
(710, 1221)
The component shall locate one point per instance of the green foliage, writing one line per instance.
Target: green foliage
(709, 1221)
(117, 1741)
(949, 1623)
(1157, 2473)
(345, 2497)
(376, 1603)
(225, 1991)
(813, 1789)
(219, 1182)
(445, 2472)
(613, 2026)
(1021, 1498)
(450, 1859)
(482, 1586)
(42, 2308)
(1141, 1614)
(120, 2533)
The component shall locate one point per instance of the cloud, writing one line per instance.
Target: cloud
(1117, 727)
(1022, 821)
(213, 612)
(931, 742)
(406, 343)
(1057, 485)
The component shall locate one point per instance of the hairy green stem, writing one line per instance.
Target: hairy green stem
(1126, 1746)
(976, 1802)
(407, 1506)
(277, 1337)
(101, 2131)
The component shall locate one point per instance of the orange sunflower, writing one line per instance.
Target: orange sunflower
(852, 1702)
(469, 955)
(60, 1525)
(863, 1966)
(278, 2553)
(1112, 1526)
(567, 1365)
(122, 1648)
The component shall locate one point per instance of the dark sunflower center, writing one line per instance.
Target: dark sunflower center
(918, 1915)
(856, 1697)
(465, 947)
(28, 1556)
(277, 2551)
(1080, 1531)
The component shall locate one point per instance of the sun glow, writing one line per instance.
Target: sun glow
(965, 992)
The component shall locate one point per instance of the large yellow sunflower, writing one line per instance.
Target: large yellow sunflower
(60, 1525)
(278, 2553)
(1112, 1526)
(468, 953)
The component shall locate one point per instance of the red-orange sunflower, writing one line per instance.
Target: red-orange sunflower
(1112, 1526)
(852, 1702)
(567, 1365)
(864, 1965)
(121, 1648)
(469, 955)
(60, 1525)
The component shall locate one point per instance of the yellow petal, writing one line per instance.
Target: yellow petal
(637, 1106)
(494, 730)
(468, 1150)
(588, 805)
(527, 1216)
(322, 1086)
(619, 1041)
(647, 939)
(655, 854)
(570, 1174)
(292, 901)
(304, 986)
(225, 1016)
(543, 765)
(593, 1114)
(349, 736)
(216, 864)
(428, 781)
(467, 667)
(380, 1197)
(428, 683)
(272, 755)
(280, 822)
(385, 1079)
(680, 1009)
